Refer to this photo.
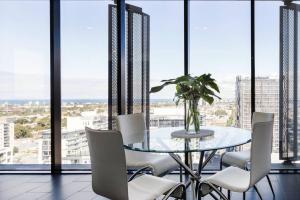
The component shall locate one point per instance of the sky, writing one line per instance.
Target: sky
(219, 39)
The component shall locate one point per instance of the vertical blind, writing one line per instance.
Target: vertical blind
(137, 63)
(289, 83)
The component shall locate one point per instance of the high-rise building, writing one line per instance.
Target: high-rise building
(74, 147)
(90, 119)
(171, 116)
(266, 100)
(74, 142)
(6, 142)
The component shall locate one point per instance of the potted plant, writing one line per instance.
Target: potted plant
(190, 89)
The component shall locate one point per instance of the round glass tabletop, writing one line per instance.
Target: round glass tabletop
(160, 140)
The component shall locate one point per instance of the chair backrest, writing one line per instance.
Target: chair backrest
(109, 178)
(261, 147)
(262, 117)
(132, 127)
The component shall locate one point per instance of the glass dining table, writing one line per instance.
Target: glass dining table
(160, 140)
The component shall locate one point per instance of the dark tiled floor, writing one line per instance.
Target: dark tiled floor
(77, 187)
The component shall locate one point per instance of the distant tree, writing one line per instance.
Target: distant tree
(100, 110)
(230, 121)
(64, 122)
(22, 131)
(43, 123)
(220, 112)
(32, 119)
(22, 121)
(16, 150)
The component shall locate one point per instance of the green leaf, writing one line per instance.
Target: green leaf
(156, 89)
(214, 86)
(191, 88)
(168, 80)
(182, 79)
(208, 99)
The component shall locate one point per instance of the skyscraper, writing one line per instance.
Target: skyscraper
(266, 100)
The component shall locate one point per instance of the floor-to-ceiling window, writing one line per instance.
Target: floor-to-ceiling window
(24, 84)
(84, 72)
(220, 44)
(166, 58)
(267, 43)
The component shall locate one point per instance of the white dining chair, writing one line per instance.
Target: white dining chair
(109, 178)
(240, 180)
(132, 128)
(241, 159)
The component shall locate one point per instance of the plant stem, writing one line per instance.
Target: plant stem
(193, 115)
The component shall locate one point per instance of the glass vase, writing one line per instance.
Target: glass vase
(193, 116)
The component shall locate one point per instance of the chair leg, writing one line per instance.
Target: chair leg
(221, 189)
(221, 194)
(269, 181)
(214, 188)
(221, 164)
(184, 194)
(244, 195)
(213, 196)
(257, 192)
(221, 167)
(180, 173)
(174, 189)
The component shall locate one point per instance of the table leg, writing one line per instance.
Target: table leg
(202, 153)
(194, 176)
(184, 166)
(203, 164)
(194, 183)
(201, 158)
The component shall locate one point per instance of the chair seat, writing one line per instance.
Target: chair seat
(159, 163)
(148, 187)
(231, 178)
(238, 158)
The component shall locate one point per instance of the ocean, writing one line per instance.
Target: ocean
(67, 101)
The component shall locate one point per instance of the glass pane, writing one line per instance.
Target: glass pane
(25, 85)
(166, 58)
(267, 64)
(84, 41)
(220, 45)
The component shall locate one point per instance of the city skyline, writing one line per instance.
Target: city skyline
(2, 100)
(234, 113)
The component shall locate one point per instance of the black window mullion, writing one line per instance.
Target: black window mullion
(55, 76)
(130, 62)
(121, 20)
(186, 37)
(186, 54)
(252, 57)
